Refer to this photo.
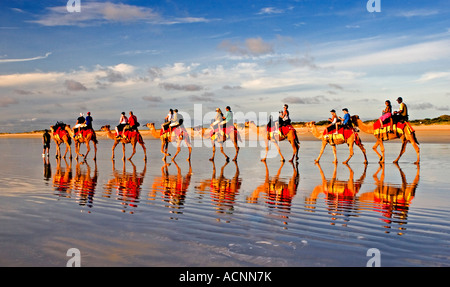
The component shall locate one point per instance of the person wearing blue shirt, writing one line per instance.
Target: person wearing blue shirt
(227, 117)
(345, 122)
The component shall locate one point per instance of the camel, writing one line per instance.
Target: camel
(327, 139)
(231, 132)
(84, 138)
(291, 136)
(406, 134)
(167, 138)
(60, 135)
(135, 138)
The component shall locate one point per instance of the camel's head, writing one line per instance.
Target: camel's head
(354, 119)
(310, 124)
(51, 129)
(150, 125)
(105, 128)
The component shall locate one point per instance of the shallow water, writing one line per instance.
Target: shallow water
(224, 214)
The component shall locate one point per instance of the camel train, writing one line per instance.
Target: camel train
(63, 134)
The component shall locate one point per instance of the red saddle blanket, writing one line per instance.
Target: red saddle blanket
(128, 134)
(284, 129)
(84, 132)
(178, 131)
(227, 130)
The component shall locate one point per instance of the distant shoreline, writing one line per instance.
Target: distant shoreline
(435, 133)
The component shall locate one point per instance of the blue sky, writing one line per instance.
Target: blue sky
(149, 56)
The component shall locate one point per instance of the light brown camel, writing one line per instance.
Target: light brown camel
(232, 134)
(135, 138)
(87, 138)
(328, 140)
(60, 135)
(263, 134)
(405, 135)
(172, 137)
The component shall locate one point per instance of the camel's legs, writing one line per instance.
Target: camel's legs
(178, 149)
(267, 149)
(113, 148)
(416, 147)
(213, 150)
(295, 148)
(133, 144)
(236, 147)
(222, 151)
(402, 151)
(95, 151)
(324, 144)
(350, 148)
(123, 151)
(335, 154)
(361, 146)
(279, 150)
(375, 148)
(145, 150)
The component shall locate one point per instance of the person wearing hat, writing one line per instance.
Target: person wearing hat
(227, 118)
(122, 123)
(346, 122)
(402, 113)
(167, 120)
(89, 121)
(81, 121)
(334, 122)
(218, 118)
(132, 122)
(176, 120)
(284, 116)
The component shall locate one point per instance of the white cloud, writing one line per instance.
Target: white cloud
(96, 13)
(414, 53)
(270, 10)
(434, 75)
(25, 59)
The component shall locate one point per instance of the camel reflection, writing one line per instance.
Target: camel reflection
(392, 200)
(277, 193)
(340, 195)
(127, 185)
(173, 188)
(80, 185)
(62, 179)
(223, 190)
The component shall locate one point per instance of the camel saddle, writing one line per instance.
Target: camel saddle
(127, 134)
(223, 133)
(179, 132)
(398, 128)
(341, 137)
(83, 132)
(281, 133)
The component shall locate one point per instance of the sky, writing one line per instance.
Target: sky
(254, 56)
